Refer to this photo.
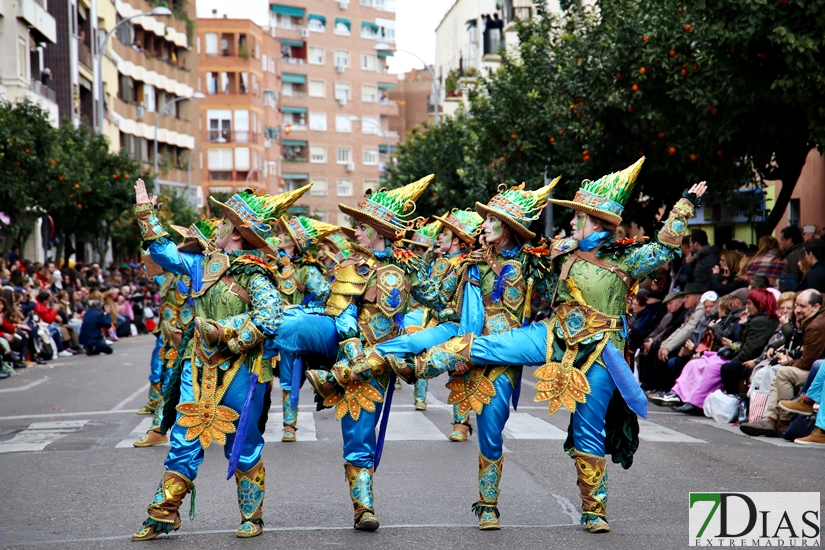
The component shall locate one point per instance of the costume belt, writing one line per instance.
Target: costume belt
(580, 322)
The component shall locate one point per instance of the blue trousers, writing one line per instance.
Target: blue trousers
(360, 442)
(492, 419)
(528, 346)
(186, 456)
(155, 366)
(816, 391)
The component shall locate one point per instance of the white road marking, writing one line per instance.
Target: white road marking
(61, 415)
(40, 434)
(648, 431)
(412, 426)
(25, 387)
(568, 508)
(777, 441)
(139, 431)
(527, 426)
(275, 427)
(143, 390)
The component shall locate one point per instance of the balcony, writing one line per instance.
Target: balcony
(233, 175)
(233, 137)
(43, 90)
(294, 60)
(39, 19)
(84, 55)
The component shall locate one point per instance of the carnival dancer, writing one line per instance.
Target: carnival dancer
(370, 293)
(419, 318)
(301, 283)
(176, 312)
(334, 249)
(494, 295)
(580, 349)
(219, 381)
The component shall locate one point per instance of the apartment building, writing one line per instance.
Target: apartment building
(412, 95)
(334, 99)
(239, 63)
(27, 29)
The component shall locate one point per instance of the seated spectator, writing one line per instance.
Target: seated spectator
(704, 375)
(674, 302)
(48, 313)
(807, 402)
(96, 321)
(814, 260)
(723, 278)
(648, 310)
(792, 376)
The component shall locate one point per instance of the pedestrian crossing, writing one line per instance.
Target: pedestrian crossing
(404, 425)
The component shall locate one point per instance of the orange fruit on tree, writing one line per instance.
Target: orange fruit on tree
(642, 70)
(635, 87)
(671, 150)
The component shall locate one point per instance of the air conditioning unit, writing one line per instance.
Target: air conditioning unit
(343, 4)
(342, 101)
(140, 111)
(350, 166)
(340, 68)
(304, 33)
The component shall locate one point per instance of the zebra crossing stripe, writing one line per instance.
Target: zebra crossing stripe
(275, 427)
(527, 426)
(39, 435)
(137, 433)
(412, 426)
(648, 431)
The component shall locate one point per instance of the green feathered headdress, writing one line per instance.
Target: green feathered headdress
(389, 211)
(518, 208)
(425, 235)
(465, 224)
(306, 232)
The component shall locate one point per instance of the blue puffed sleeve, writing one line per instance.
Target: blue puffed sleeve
(166, 254)
(647, 258)
(318, 286)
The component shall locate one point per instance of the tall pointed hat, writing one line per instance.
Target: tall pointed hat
(255, 215)
(337, 248)
(465, 224)
(389, 211)
(425, 235)
(307, 232)
(516, 207)
(199, 236)
(605, 198)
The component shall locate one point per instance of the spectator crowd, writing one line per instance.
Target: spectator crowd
(48, 312)
(737, 333)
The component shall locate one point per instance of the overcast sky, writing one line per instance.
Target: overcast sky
(415, 23)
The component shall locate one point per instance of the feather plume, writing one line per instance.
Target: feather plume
(394, 299)
(501, 282)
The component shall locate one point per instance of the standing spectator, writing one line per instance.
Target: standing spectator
(792, 376)
(814, 254)
(685, 273)
(95, 322)
(791, 241)
(768, 261)
(705, 256)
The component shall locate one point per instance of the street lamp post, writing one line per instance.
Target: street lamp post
(191, 157)
(378, 127)
(102, 48)
(382, 47)
(163, 111)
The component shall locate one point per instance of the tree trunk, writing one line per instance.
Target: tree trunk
(791, 163)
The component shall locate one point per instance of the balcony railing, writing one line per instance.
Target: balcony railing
(84, 55)
(296, 159)
(43, 90)
(232, 137)
(294, 60)
(299, 95)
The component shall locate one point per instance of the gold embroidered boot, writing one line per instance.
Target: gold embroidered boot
(164, 515)
(360, 491)
(592, 482)
(489, 477)
(155, 398)
(251, 492)
(290, 418)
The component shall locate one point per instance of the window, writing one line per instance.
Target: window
(319, 187)
(341, 58)
(296, 119)
(344, 155)
(318, 154)
(126, 90)
(211, 43)
(367, 3)
(367, 62)
(316, 25)
(22, 58)
(244, 83)
(344, 188)
(368, 93)
(242, 126)
(224, 83)
(317, 88)
(342, 91)
(369, 125)
(149, 98)
(318, 121)
(242, 159)
(271, 65)
(368, 32)
(342, 123)
(220, 124)
(341, 28)
(211, 83)
(316, 55)
(370, 157)
(287, 89)
(220, 158)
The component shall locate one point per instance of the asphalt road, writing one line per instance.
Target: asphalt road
(69, 477)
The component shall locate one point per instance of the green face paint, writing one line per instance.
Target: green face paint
(369, 232)
(226, 228)
(580, 221)
(496, 226)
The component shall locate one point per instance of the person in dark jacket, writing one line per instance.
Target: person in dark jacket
(723, 276)
(791, 242)
(815, 257)
(705, 257)
(648, 311)
(754, 336)
(95, 321)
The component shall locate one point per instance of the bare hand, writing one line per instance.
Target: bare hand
(784, 360)
(647, 345)
(461, 368)
(726, 342)
(698, 189)
(749, 364)
(689, 345)
(716, 270)
(663, 353)
(142, 196)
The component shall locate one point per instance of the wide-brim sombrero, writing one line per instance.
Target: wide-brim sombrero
(383, 228)
(595, 212)
(484, 210)
(460, 233)
(191, 244)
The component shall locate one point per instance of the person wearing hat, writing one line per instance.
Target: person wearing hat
(301, 283)
(175, 315)
(370, 292)
(219, 379)
(580, 347)
(493, 296)
(334, 248)
(460, 231)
